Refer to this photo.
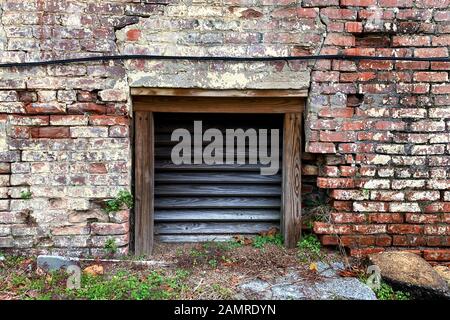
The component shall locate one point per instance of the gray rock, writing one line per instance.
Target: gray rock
(444, 272)
(408, 271)
(54, 263)
(328, 286)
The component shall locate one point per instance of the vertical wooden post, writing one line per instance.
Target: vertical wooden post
(144, 185)
(291, 224)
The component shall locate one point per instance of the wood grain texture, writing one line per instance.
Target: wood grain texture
(193, 238)
(216, 202)
(242, 190)
(194, 92)
(291, 197)
(216, 177)
(144, 144)
(213, 105)
(212, 227)
(174, 215)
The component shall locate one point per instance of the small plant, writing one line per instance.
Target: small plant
(261, 240)
(309, 248)
(25, 194)
(123, 198)
(366, 193)
(111, 246)
(317, 209)
(386, 292)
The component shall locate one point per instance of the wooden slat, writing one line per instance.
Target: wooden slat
(194, 92)
(217, 190)
(223, 105)
(143, 183)
(213, 227)
(216, 202)
(166, 153)
(167, 165)
(217, 215)
(193, 238)
(291, 210)
(216, 177)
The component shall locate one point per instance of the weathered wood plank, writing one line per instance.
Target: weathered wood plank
(195, 92)
(223, 105)
(217, 215)
(168, 165)
(193, 238)
(166, 152)
(217, 202)
(213, 227)
(217, 190)
(216, 177)
(291, 209)
(143, 183)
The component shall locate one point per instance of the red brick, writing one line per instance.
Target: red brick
(133, 34)
(45, 108)
(430, 52)
(107, 120)
(50, 132)
(334, 183)
(370, 228)
(327, 228)
(405, 229)
(417, 88)
(422, 218)
(389, 125)
(411, 41)
(383, 240)
(437, 207)
(375, 65)
(345, 217)
(441, 230)
(336, 136)
(441, 40)
(358, 3)
(430, 76)
(97, 168)
(328, 240)
(86, 107)
(408, 240)
(441, 89)
(412, 65)
(440, 66)
(395, 3)
(340, 40)
(385, 218)
(438, 255)
(320, 147)
(336, 112)
(342, 205)
(357, 76)
(340, 14)
(354, 27)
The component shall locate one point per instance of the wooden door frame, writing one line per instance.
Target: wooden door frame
(146, 101)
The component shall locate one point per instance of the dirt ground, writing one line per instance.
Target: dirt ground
(192, 271)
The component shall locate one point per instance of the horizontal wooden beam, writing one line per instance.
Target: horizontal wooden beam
(214, 105)
(194, 92)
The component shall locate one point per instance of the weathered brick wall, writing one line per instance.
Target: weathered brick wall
(382, 127)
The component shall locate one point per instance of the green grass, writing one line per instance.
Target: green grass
(25, 195)
(123, 285)
(309, 248)
(386, 292)
(260, 241)
(124, 197)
